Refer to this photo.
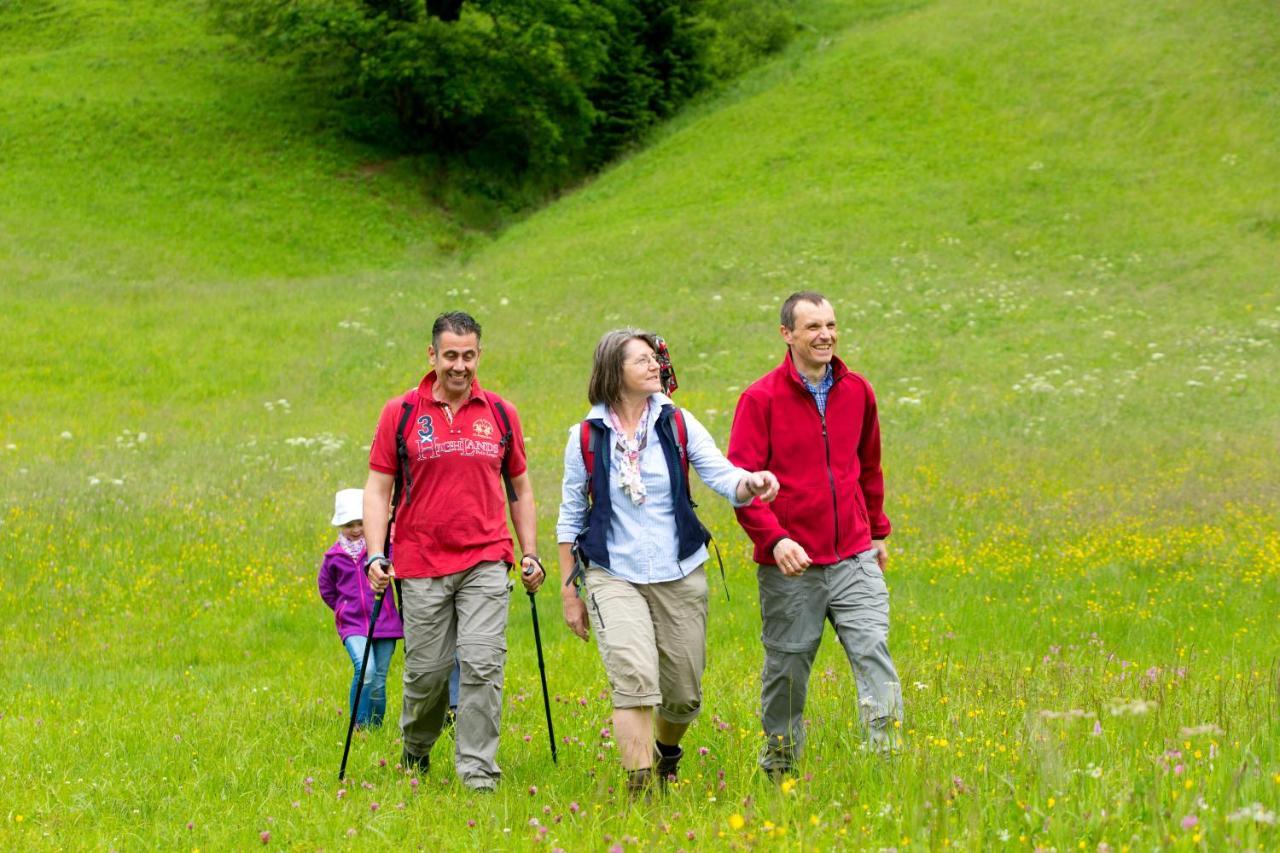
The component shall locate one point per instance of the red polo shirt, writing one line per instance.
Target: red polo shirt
(456, 516)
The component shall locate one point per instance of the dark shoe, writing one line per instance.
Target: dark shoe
(778, 773)
(415, 763)
(667, 766)
(639, 783)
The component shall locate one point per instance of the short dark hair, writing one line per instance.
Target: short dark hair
(458, 322)
(789, 306)
(605, 385)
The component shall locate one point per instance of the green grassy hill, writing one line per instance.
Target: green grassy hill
(1052, 235)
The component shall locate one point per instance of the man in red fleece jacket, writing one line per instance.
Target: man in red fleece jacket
(820, 545)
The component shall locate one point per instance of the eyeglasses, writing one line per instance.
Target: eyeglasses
(644, 361)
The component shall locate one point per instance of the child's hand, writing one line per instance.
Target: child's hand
(380, 574)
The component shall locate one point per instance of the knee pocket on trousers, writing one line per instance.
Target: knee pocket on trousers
(791, 648)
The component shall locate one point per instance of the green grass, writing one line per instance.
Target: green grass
(1050, 233)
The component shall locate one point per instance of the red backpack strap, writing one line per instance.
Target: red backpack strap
(682, 436)
(588, 454)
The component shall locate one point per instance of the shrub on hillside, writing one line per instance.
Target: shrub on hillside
(525, 88)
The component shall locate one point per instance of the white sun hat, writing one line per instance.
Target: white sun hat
(348, 505)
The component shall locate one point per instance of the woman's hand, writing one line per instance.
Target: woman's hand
(760, 484)
(575, 612)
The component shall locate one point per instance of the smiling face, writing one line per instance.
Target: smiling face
(455, 358)
(353, 530)
(813, 337)
(641, 375)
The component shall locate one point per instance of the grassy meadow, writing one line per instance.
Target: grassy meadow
(1051, 233)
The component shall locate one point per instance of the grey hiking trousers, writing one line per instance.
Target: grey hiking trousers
(851, 595)
(467, 612)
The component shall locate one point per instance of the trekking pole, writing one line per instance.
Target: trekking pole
(542, 667)
(364, 664)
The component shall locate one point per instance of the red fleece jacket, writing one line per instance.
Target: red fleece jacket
(832, 495)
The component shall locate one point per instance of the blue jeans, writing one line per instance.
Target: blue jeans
(373, 695)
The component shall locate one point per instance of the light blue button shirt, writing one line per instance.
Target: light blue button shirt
(642, 539)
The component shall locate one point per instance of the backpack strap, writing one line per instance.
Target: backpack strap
(404, 480)
(507, 438)
(587, 438)
(682, 438)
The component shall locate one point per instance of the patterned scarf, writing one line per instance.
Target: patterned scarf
(353, 547)
(629, 449)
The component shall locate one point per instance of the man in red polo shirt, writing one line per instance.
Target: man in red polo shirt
(820, 545)
(451, 545)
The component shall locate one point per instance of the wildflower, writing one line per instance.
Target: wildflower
(533, 790)
(1190, 821)
(373, 807)
(736, 821)
(1253, 813)
(702, 750)
(342, 792)
(574, 807)
(265, 836)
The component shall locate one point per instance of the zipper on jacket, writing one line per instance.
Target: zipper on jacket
(364, 605)
(831, 478)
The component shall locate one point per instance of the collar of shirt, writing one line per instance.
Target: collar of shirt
(823, 384)
(600, 412)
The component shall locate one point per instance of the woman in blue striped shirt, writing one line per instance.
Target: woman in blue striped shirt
(627, 518)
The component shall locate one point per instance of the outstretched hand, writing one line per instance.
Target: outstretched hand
(762, 484)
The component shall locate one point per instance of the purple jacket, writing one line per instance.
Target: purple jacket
(346, 590)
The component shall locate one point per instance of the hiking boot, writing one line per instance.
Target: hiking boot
(415, 763)
(779, 773)
(666, 766)
(640, 783)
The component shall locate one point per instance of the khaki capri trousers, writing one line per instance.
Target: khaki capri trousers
(652, 639)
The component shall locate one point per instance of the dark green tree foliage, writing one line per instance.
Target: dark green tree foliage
(540, 88)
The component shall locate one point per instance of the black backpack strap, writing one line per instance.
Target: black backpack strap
(404, 480)
(507, 438)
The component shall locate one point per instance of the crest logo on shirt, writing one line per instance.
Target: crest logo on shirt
(482, 428)
(426, 430)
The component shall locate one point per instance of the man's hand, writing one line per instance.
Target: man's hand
(761, 484)
(381, 573)
(531, 573)
(882, 553)
(790, 557)
(575, 612)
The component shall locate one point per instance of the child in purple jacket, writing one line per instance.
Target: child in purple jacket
(345, 588)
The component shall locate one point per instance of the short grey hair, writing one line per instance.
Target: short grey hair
(789, 306)
(606, 370)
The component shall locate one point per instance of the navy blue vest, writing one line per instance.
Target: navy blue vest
(690, 534)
